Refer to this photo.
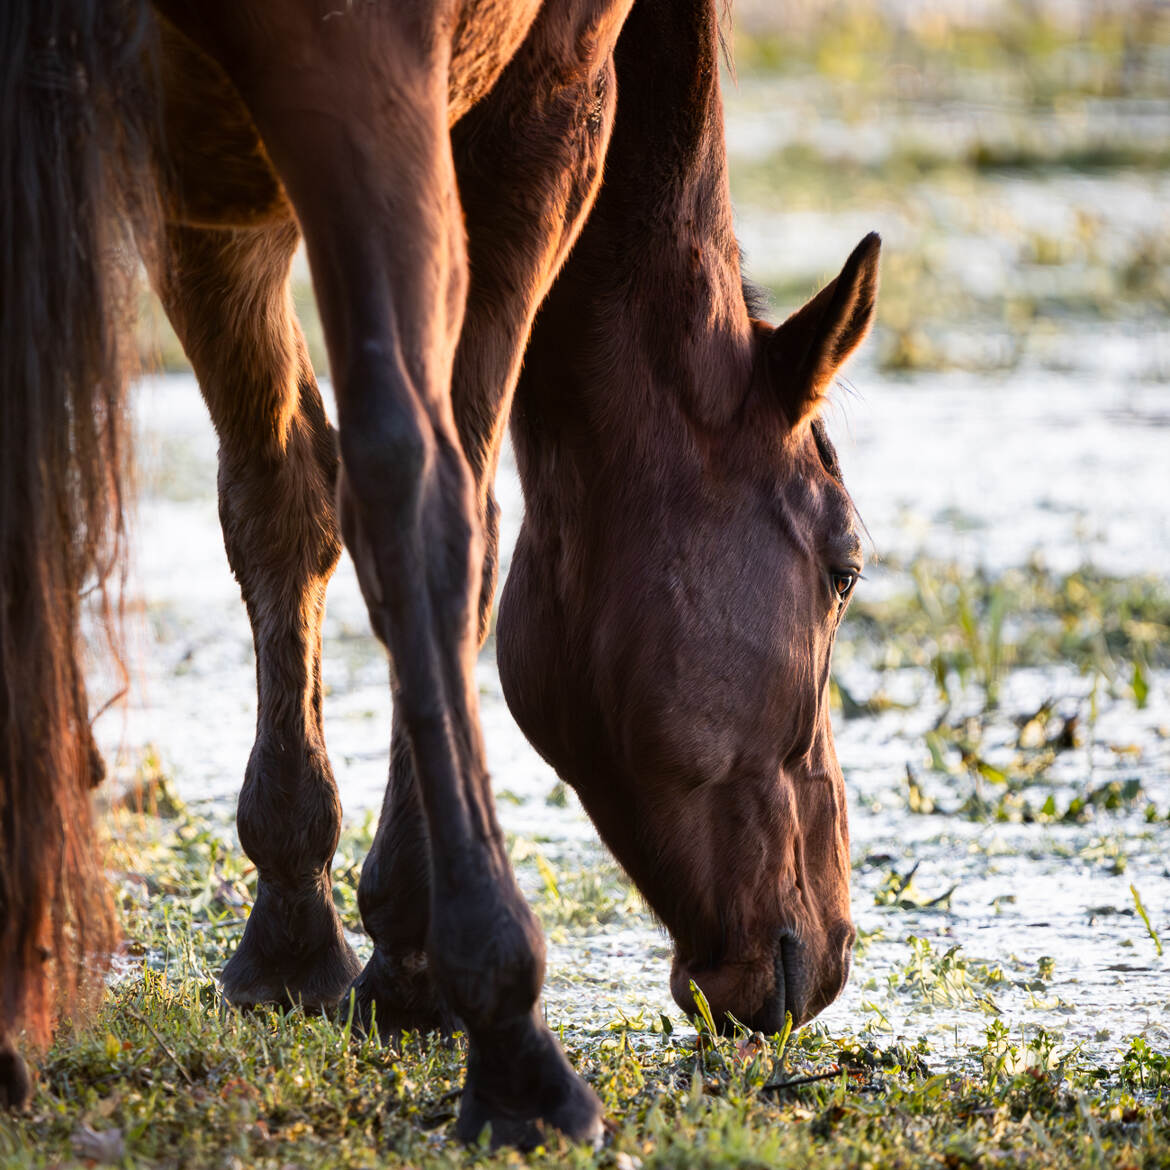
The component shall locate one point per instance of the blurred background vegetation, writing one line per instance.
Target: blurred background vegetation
(1015, 154)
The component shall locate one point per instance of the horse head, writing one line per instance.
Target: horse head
(665, 641)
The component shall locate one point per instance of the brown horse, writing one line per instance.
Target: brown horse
(687, 552)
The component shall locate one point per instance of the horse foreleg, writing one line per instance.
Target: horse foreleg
(226, 292)
(527, 174)
(374, 188)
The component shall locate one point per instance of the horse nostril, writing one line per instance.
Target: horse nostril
(808, 981)
(790, 995)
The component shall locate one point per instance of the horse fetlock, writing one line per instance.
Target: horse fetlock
(396, 920)
(395, 993)
(293, 951)
(521, 1085)
(289, 814)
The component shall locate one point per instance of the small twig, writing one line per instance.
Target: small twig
(162, 1044)
(796, 1082)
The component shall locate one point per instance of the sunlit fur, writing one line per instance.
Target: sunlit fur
(666, 630)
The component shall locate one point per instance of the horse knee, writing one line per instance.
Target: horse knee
(386, 437)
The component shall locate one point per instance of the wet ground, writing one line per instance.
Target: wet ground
(978, 436)
(1022, 891)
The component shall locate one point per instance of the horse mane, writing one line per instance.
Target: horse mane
(757, 298)
(725, 31)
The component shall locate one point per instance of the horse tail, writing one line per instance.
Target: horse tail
(74, 164)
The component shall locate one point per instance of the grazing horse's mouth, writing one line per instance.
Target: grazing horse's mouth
(794, 980)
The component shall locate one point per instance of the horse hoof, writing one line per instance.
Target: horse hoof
(526, 1097)
(270, 968)
(15, 1082)
(397, 994)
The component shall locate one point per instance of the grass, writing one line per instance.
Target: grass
(1039, 54)
(960, 634)
(1144, 915)
(169, 1075)
(969, 627)
(948, 133)
(1033, 287)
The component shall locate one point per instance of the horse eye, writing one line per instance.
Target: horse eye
(842, 583)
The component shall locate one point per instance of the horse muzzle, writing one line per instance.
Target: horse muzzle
(794, 979)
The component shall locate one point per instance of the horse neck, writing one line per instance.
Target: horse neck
(649, 312)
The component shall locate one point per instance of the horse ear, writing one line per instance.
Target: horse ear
(807, 350)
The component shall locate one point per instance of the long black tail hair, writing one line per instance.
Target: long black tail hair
(75, 130)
